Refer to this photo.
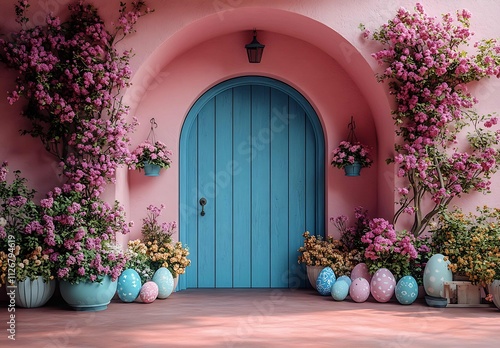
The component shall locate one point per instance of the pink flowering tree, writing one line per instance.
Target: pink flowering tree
(445, 148)
(72, 75)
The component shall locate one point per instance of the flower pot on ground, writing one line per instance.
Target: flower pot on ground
(34, 292)
(24, 247)
(89, 296)
(313, 273)
(318, 253)
(494, 291)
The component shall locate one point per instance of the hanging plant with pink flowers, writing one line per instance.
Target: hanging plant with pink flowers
(428, 69)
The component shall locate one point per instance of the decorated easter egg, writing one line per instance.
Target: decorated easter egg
(325, 281)
(340, 290)
(359, 290)
(436, 272)
(149, 292)
(129, 285)
(361, 271)
(163, 278)
(346, 279)
(406, 290)
(382, 285)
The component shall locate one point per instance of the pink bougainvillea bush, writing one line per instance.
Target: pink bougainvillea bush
(446, 149)
(80, 233)
(72, 75)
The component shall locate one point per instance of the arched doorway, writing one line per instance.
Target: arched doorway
(252, 148)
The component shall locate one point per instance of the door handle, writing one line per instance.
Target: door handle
(203, 202)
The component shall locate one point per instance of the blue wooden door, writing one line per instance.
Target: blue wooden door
(253, 148)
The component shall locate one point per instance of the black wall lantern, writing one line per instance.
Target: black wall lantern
(254, 49)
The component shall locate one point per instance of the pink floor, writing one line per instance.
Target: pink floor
(255, 318)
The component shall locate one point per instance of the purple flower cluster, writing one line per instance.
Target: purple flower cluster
(386, 248)
(82, 232)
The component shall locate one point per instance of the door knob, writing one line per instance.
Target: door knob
(203, 202)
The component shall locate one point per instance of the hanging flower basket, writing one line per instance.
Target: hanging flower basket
(151, 169)
(152, 155)
(352, 169)
(351, 155)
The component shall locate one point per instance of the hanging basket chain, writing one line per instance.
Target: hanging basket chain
(351, 137)
(151, 136)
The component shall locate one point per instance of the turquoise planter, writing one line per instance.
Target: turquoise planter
(89, 296)
(34, 293)
(352, 169)
(151, 169)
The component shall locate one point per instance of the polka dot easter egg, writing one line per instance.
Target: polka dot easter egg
(382, 285)
(129, 285)
(436, 272)
(149, 292)
(359, 290)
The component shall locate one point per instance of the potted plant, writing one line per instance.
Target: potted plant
(351, 157)
(81, 232)
(471, 242)
(318, 253)
(157, 248)
(24, 254)
(152, 157)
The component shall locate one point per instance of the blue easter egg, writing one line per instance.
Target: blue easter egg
(346, 279)
(340, 290)
(406, 290)
(436, 272)
(165, 281)
(325, 281)
(129, 285)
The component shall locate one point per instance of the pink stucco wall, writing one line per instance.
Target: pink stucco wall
(188, 46)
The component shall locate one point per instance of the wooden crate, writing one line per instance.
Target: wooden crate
(463, 294)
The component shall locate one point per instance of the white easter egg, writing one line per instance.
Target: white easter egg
(436, 272)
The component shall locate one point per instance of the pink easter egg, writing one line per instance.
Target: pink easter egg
(149, 292)
(359, 290)
(382, 285)
(361, 271)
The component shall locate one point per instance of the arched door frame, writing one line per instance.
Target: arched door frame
(244, 81)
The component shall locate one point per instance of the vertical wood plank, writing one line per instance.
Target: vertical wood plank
(242, 153)
(224, 190)
(279, 188)
(297, 159)
(261, 140)
(189, 208)
(206, 188)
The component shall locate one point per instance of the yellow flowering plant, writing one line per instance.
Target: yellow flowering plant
(318, 251)
(471, 242)
(157, 249)
(24, 251)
